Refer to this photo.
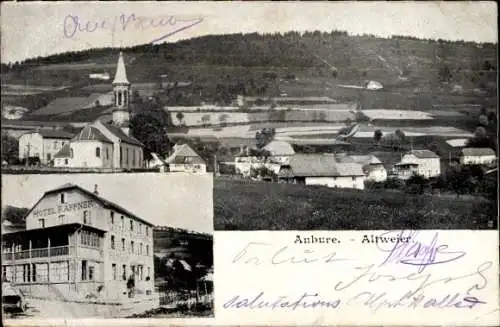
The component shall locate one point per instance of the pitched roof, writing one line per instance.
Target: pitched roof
(65, 152)
(322, 165)
(280, 148)
(117, 131)
(121, 73)
(184, 154)
(105, 203)
(52, 134)
(369, 159)
(90, 133)
(478, 152)
(424, 154)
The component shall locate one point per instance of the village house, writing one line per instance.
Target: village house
(106, 145)
(373, 168)
(322, 169)
(42, 144)
(477, 156)
(421, 162)
(79, 245)
(272, 156)
(185, 159)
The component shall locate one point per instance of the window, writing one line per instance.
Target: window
(49, 157)
(113, 269)
(86, 217)
(84, 269)
(121, 155)
(133, 157)
(63, 198)
(123, 244)
(123, 222)
(91, 273)
(112, 241)
(89, 239)
(61, 219)
(107, 153)
(26, 272)
(71, 153)
(112, 217)
(126, 161)
(41, 223)
(131, 225)
(147, 249)
(124, 272)
(149, 271)
(65, 161)
(147, 231)
(98, 152)
(141, 273)
(131, 246)
(132, 272)
(140, 248)
(119, 98)
(33, 271)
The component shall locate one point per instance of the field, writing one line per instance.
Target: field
(245, 205)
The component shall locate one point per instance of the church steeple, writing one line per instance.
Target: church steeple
(121, 72)
(121, 95)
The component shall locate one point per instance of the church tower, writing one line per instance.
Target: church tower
(121, 96)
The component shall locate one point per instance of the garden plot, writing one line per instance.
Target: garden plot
(396, 114)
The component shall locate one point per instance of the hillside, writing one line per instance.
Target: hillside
(300, 207)
(309, 64)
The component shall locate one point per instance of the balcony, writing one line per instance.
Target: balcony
(37, 253)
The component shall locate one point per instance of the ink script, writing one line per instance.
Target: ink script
(415, 271)
(154, 28)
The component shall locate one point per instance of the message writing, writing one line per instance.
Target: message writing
(63, 208)
(403, 270)
(154, 28)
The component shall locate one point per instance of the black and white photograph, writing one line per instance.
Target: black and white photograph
(132, 131)
(117, 245)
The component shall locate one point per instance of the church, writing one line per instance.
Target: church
(106, 145)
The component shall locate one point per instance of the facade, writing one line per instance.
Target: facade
(42, 144)
(422, 162)
(185, 159)
(78, 245)
(477, 156)
(373, 168)
(101, 145)
(323, 169)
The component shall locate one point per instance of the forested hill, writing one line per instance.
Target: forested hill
(290, 49)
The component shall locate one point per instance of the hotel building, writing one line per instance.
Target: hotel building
(78, 245)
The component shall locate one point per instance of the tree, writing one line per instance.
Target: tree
(223, 119)
(416, 184)
(444, 74)
(10, 149)
(150, 128)
(180, 118)
(264, 137)
(377, 135)
(205, 119)
(15, 215)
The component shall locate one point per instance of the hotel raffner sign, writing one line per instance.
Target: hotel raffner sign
(63, 208)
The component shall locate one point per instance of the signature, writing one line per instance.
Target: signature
(283, 255)
(165, 26)
(420, 254)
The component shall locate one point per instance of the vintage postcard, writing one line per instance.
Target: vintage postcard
(250, 163)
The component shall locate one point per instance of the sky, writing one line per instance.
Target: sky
(176, 200)
(40, 29)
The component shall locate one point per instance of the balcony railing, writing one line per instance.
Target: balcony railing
(37, 253)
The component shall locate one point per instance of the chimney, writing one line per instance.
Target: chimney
(96, 192)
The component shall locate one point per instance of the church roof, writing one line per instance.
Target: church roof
(118, 132)
(121, 73)
(90, 133)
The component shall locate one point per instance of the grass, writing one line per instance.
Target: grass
(246, 205)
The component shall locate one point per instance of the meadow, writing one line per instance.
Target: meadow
(248, 205)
